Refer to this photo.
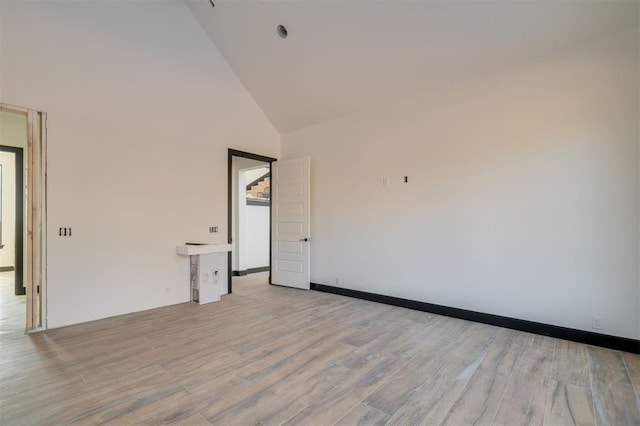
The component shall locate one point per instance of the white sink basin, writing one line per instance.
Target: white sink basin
(193, 249)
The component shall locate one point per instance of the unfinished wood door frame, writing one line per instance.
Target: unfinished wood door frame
(35, 256)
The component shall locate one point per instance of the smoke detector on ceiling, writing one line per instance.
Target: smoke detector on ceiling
(282, 31)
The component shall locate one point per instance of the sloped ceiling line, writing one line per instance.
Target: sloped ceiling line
(344, 56)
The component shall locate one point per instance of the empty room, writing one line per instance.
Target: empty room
(320, 212)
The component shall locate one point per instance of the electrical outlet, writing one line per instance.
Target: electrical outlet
(64, 232)
(213, 229)
(597, 323)
(385, 181)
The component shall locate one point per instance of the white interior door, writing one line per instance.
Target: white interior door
(290, 222)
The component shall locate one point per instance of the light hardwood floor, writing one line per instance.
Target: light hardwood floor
(273, 355)
(13, 309)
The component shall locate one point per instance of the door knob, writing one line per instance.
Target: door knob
(304, 239)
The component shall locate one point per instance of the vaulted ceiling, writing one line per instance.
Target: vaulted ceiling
(344, 56)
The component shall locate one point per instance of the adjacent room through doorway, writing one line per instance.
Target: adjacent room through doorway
(249, 215)
(13, 140)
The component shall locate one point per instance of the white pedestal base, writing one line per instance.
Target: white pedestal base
(210, 273)
(208, 270)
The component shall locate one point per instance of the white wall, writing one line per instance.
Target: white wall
(141, 110)
(522, 198)
(1, 55)
(252, 175)
(8, 251)
(13, 129)
(257, 236)
(241, 239)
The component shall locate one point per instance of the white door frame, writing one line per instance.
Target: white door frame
(35, 262)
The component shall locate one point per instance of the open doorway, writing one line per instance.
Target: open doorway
(22, 219)
(249, 214)
(12, 211)
(13, 300)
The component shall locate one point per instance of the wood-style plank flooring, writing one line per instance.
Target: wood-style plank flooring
(273, 355)
(13, 309)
